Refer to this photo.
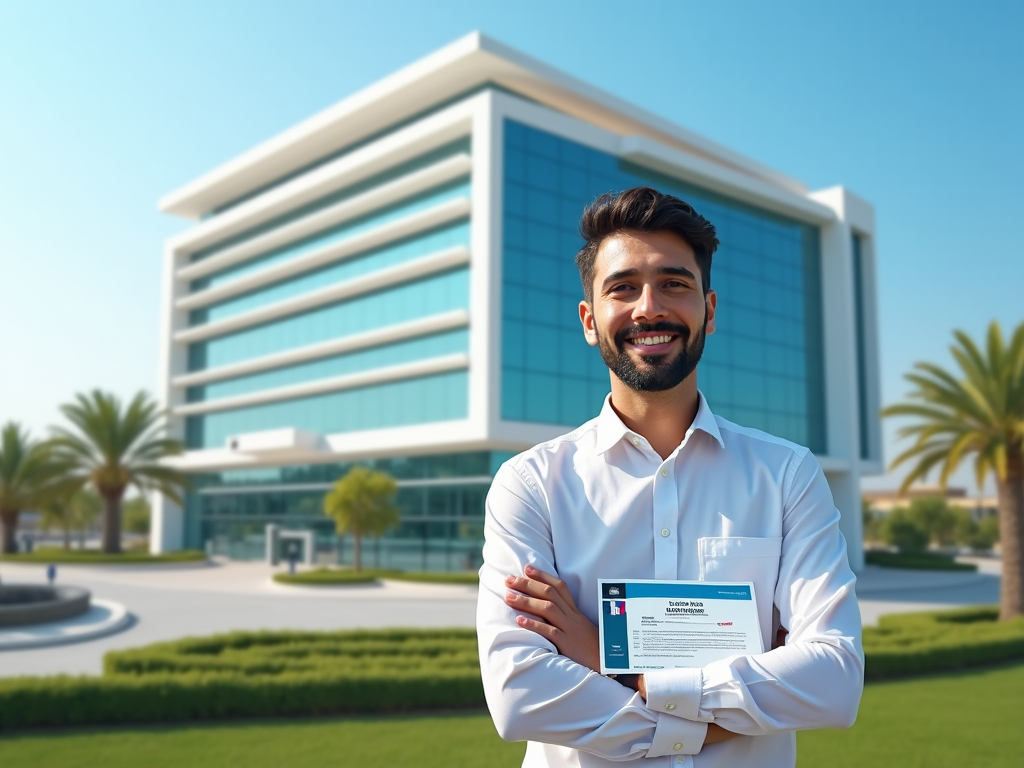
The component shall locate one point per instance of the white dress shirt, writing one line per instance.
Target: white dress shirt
(729, 504)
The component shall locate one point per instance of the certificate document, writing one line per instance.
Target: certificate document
(669, 624)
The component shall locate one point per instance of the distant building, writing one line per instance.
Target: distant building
(391, 282)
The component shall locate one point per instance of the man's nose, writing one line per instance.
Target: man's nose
(648, 306)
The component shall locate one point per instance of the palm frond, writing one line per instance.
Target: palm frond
(980, 411)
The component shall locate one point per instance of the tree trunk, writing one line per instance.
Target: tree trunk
(1011, 536)
(358, 552)
(112, 523)
(9, 523)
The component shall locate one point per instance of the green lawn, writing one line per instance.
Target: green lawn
(965, 719)
(46, 555)
(445, 741)
(962, 719)
(336, 577)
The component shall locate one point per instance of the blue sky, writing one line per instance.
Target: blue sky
(916, 105)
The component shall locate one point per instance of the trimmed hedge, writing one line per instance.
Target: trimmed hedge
(920, 561)
(915, 643)
(258, 674)
(333, 577)
(288, 674)
(46, 555)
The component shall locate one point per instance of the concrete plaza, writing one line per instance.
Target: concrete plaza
(169, 602)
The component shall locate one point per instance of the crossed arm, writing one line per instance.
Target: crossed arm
(548, 689)
(560, 622)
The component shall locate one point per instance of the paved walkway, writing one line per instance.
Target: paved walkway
(176, 601)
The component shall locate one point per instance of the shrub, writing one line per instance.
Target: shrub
(289, 674)
(902, 532)
(925, 561)
(985, 535)
(914, 643)
(933, 514)
(91, 556)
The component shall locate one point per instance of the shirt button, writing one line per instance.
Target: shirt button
(680, 759)
(666, 532)
(670, 707)
(635, 441)
(677, 746)
(664, 473)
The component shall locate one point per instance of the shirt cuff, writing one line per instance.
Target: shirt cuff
(676, 736)
(675, 692)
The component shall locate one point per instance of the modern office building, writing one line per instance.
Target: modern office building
(391, 283)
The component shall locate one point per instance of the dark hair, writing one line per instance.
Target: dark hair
(647, 210)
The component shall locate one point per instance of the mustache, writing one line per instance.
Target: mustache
(662, 327)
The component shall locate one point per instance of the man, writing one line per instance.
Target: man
(657, 487)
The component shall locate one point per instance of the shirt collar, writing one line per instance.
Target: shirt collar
(610, 429)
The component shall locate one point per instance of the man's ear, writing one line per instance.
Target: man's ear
(710, 303)
(587, 319)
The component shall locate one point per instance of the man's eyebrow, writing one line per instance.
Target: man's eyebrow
(624, 273)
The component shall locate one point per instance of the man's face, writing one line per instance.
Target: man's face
(649, 316)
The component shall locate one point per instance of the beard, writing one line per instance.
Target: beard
(659, 372)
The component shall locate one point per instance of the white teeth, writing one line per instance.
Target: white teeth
(652, 340)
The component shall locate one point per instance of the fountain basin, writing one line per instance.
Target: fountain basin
(26, 604)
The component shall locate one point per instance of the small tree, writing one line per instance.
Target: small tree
(362, 503)
(25, 469)
(113, 446)
(904, 533)
(933, 514)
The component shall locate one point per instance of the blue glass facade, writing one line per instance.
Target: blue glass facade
(333, 235)
(462, 146)
(427, 296)
(378, 356)
(762, 368)
(439, 397)
(441, 499)
(391, 255)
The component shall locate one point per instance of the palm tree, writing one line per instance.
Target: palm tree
(979, 413)
(361, 503)
(112, 447)
(25, 470)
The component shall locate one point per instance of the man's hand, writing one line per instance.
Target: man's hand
(572, 633)
(546, 597)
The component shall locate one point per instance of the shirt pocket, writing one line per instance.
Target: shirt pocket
(738, 558)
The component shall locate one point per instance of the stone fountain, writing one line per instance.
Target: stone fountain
(26, 604)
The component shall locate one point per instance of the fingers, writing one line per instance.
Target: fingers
(538, 590)
(541, 628)
(545, 609)
(552, 581)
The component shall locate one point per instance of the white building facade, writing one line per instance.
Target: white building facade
(391, 283)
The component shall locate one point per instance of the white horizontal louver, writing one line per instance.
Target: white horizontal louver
(424, 326)
(439, 173)
(395, 275)
(419, 368)
(395, 230)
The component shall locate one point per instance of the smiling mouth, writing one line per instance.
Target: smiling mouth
(652, 344)
(652, 341)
